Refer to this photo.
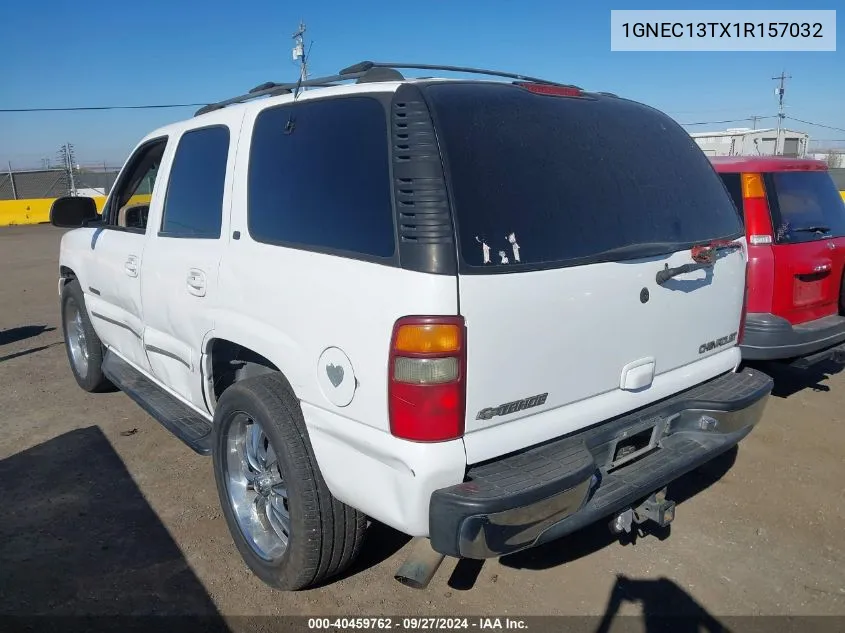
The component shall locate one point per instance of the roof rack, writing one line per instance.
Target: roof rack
(363, 72)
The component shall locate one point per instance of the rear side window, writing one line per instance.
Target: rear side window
(319, 177)
(733, 183)
(548, 181)
(805, 206)
(194, 203)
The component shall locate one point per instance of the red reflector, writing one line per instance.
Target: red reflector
(556, 91)
(426, 413)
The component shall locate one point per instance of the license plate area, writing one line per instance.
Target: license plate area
(808, 289)
(633, 443)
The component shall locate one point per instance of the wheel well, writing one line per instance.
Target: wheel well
(67, 275)
(231, 362)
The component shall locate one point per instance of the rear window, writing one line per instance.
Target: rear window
(733, 183)
(805, 206)
(544, 181)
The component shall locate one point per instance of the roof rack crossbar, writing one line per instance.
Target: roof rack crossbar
(367, 65)
(270, 89)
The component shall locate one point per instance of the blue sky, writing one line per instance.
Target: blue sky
(58, 54)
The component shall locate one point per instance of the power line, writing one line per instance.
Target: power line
(828, 127)
(748, 118)
(113, 107)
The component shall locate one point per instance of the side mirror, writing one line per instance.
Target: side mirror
(73, 211)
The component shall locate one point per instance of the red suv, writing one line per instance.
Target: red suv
(795, 226)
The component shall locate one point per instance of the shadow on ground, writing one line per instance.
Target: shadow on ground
(791, 380)
(380, 543)
(27, 352)
(77, 537)
(15, 334)
(665, 607)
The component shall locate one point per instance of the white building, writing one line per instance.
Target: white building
(745, 141)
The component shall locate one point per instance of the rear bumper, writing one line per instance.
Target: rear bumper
(551, 490)
(770, 337)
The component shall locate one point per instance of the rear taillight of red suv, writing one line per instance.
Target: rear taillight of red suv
(758, 223)
(759, 273)
(427, 378)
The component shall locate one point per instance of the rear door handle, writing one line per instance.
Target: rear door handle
(131, 266)
(196, 282)
(813, 268)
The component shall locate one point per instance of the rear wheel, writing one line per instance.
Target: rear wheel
(84, 349)
(289, 529)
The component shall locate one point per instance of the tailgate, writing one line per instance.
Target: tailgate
(808, 216)
(575, 333)
(566, 209)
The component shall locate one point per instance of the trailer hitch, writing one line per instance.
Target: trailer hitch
(656, 508)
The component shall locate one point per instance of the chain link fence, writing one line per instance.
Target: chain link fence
(54, 183)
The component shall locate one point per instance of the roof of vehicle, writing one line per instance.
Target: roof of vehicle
(363, 77)
(733, 164)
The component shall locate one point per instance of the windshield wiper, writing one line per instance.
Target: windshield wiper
(811, 229)
(635, 251)
(704, 256)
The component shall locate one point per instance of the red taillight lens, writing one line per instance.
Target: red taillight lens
(758, 220)
(555, 91)
(760, 234)
(427, 378)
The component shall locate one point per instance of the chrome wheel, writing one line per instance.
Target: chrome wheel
(76, 340)
(256, 490)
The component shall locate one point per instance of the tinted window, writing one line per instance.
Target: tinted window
(569, 179)
(733, 183)
(803, 201)
(326, 184)
(194, 203)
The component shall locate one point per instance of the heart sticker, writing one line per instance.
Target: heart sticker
(335, 374)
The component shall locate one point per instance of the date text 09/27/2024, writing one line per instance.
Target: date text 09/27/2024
(416, 624)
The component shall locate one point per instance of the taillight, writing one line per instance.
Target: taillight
(758, 228)
(758, 221)
(427, 378)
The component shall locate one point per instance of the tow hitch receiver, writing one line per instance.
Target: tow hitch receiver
(656, 508)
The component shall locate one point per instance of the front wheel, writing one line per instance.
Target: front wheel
(84, 349)
(287, 526)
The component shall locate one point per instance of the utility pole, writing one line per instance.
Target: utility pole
(67, 157)
(779, 91)
(754, 119)
(299, 51)
(12, 181)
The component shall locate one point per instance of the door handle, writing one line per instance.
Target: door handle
(196, 282)
(131, 266)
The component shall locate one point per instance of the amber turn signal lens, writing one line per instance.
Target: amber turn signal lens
(428, 339)
(752, 186)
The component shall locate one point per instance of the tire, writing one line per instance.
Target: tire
(324, 536)
(84, 349)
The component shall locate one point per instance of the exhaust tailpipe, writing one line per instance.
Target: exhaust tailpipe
(420, 566)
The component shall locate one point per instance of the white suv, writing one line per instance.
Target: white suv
(482, 312)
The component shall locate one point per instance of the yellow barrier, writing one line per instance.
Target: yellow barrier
(32, 211)
(37, 210)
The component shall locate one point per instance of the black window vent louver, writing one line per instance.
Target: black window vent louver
(419, 187)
